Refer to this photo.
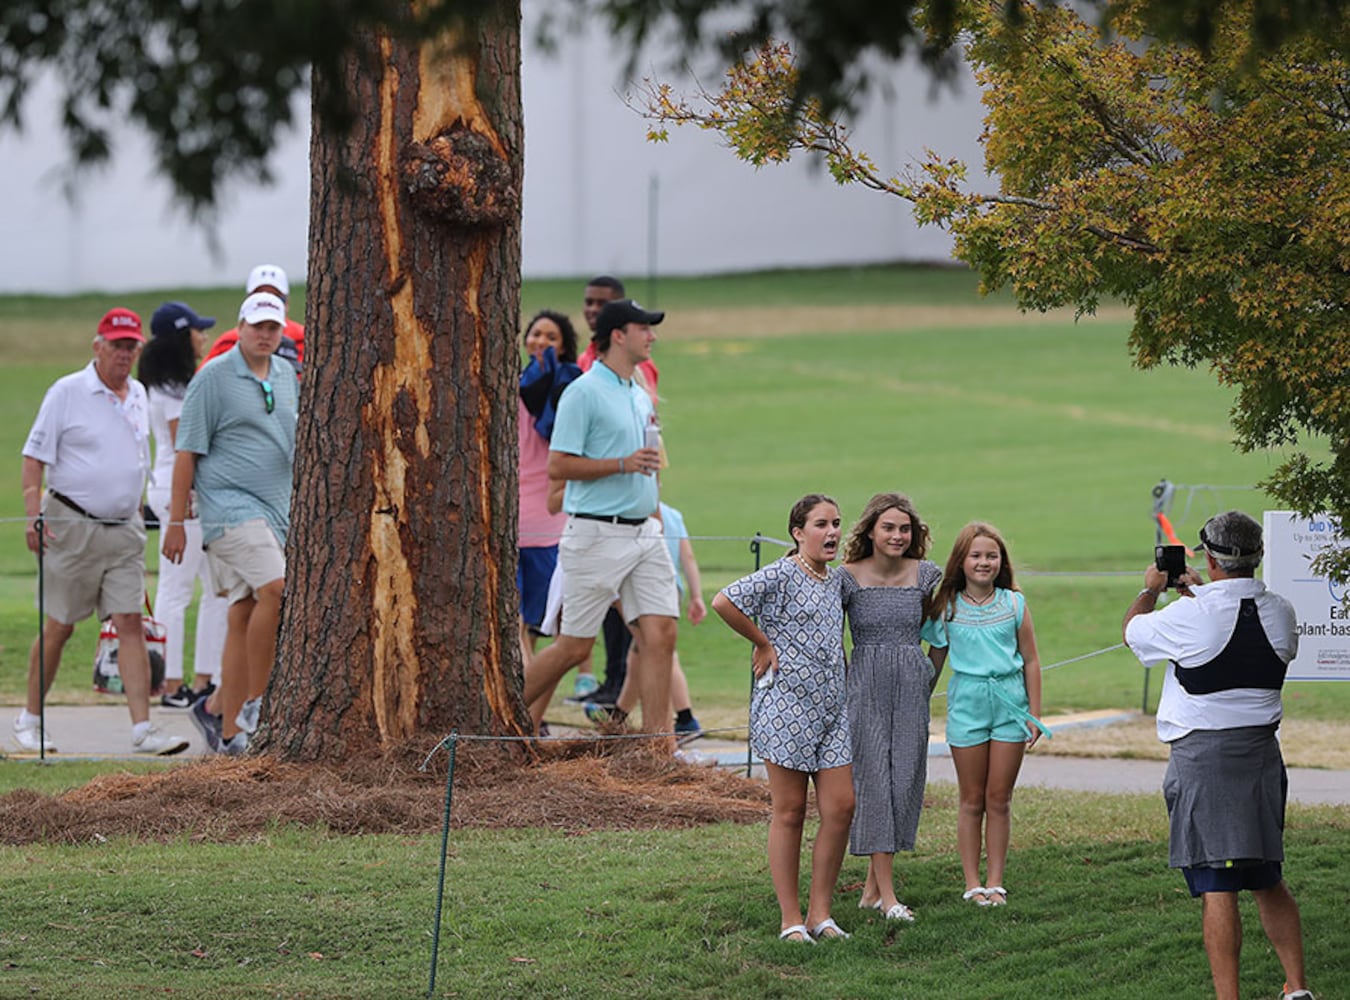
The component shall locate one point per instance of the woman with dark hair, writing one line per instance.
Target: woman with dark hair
(791, 612)
(177, 344)
(885, 582)
(551, 347)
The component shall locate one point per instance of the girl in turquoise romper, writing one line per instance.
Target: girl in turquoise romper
(978, 620)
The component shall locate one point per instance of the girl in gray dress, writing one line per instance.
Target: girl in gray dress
(798, 713)
(890, 680)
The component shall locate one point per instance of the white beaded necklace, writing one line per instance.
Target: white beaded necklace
(811, 572)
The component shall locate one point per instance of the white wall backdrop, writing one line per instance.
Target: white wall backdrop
(597, 195)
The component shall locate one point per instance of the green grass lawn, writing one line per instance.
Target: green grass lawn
(1093, 912)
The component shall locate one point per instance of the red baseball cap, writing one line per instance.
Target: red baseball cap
(120, 324)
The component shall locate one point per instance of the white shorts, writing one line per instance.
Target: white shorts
(598, 558)
(244, 559)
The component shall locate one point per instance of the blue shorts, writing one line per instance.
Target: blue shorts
(533, 573)
(980, 709)
(1234, 877)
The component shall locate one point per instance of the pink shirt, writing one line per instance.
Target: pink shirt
(538, 528)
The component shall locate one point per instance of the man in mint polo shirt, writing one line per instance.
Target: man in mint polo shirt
(236, 445)
(612, 542)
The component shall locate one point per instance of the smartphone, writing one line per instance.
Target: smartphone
(1170, 559)
(765, 680)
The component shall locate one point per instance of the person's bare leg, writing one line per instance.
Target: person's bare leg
(229, 696)
(679, 685)
(657, 648)
(1284, 927)
(972, 773)
(548, 667)
(834, 799)
(787, 793)
(1005, 761)
(262, 637)
(1222, 926)
(527, 640)
(880, 884)
(133, 663)
(52, 640)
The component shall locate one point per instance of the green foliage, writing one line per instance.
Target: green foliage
(1208, 193)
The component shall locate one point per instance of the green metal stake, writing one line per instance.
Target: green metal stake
(453, 740)
(755, 547)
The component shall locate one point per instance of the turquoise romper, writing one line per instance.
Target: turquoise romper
(987, 692)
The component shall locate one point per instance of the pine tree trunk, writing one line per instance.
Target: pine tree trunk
(400, 609)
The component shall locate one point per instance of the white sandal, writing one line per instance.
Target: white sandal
(900, 912)
(835, 932)
(786, 934)
(979, 890)
(998, 896)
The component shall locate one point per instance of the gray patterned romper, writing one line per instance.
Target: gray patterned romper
(800, 722)
(889, 681)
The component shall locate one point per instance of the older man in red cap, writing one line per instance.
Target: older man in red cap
(91, 442)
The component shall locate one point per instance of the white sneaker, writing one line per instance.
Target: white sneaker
(247, 719)
(28, 737)
(236, 745)
(692, 758)
(157, 742)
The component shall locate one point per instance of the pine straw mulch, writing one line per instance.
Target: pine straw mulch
(565, 787)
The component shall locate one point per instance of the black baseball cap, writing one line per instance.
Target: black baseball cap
(619, 313)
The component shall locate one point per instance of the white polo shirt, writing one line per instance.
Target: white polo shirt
(95, 446)
(1191, 631)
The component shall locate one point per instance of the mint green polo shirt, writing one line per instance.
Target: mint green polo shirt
(603, 416)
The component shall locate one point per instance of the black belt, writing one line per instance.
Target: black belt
(80, 510)
(611, 518)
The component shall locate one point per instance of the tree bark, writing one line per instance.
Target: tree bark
(400, 608)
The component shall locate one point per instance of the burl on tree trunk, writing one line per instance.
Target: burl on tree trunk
(400, 608)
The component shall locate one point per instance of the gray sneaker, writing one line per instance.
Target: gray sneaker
(247, 719)
(29, 737)
(156, 741)
(207, 724)
(235, 746)
(692, 758)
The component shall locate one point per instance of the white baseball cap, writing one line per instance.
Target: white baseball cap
(261, 307)
(272, 275)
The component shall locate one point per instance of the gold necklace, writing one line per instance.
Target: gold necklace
(822, 577)
(979, 604)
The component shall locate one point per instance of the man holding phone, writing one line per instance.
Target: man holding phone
(604, 445)
(1227, 644)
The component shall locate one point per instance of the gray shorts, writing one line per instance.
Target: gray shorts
(89, 567)
(244, 559)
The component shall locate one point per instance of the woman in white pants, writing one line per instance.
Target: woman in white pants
(177, 344)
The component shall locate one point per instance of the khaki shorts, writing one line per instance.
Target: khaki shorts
(244, 559)
(89, 567)
(598, 558)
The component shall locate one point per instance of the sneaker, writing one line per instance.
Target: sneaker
(584, 686)
(1297, 994)
(692, 758)
(247, 719)
(207, 724)
(687, 732)
(181, 698)
(235, 746)
(602, 695)
(28, 737)
(154, 740)
(205, 692)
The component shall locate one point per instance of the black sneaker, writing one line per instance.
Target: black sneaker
(182, 698)
(205, 692)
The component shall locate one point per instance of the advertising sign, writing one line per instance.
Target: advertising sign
(1323, 613)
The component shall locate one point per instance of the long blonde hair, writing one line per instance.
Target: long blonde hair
(859, 545)
(942, 602)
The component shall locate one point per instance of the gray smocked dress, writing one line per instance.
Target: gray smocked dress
(889, 686)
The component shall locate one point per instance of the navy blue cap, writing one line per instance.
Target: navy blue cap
(172, 317)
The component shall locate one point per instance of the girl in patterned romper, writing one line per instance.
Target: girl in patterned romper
(798, 718)
(979, 620)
